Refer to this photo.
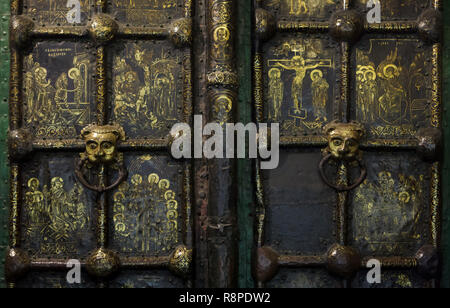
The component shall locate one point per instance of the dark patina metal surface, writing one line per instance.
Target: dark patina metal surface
(320, 61)
(144, 82)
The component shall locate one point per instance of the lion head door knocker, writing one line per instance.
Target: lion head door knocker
(343, 147)
(101, 151)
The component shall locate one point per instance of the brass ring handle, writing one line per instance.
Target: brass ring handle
(341, 188)
(123, 174)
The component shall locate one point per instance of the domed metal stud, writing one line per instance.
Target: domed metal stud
(427, 262)
(103, 28)
(265, 25)
(102, 263)
(346, 25)
(181, 261)
(266, 264)
(180, 32)
(343, 261)
(20, 144)
(17, 264)
(429, 25)
(21, 28)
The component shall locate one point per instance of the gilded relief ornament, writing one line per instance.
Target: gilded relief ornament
(180, 261)
(265, 25)
(101, 143)
(343, 146)
(344, 140)
(180, 32)
(101, 150)
(21, 28)
(103, 28)
(346, 25)
(103, 263)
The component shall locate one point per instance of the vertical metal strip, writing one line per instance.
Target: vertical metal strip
(102, 211)
(437, 4)
(14, 215)
(435, 204)
(187, 176)
(222, 81)
(445, 244)
(188, 108)
(341, 210)
(258, 96)
(15, 99)
(344, 115)
(258, 87)
(344, 102)
(436, 121)
(187, 118)
(102, 117)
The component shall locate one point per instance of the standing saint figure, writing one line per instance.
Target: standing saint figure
(319, 88)
(371, 91)
(276, 89)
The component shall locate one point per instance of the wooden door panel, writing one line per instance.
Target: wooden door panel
(114, 67)
(381, 79)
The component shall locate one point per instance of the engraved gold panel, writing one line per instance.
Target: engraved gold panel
(55, 12)
(148, 87)
(126, 63)
(147, 210)
(300, 83)
(392, 86)
(57, 209)
(57, 89)
(395, 195)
